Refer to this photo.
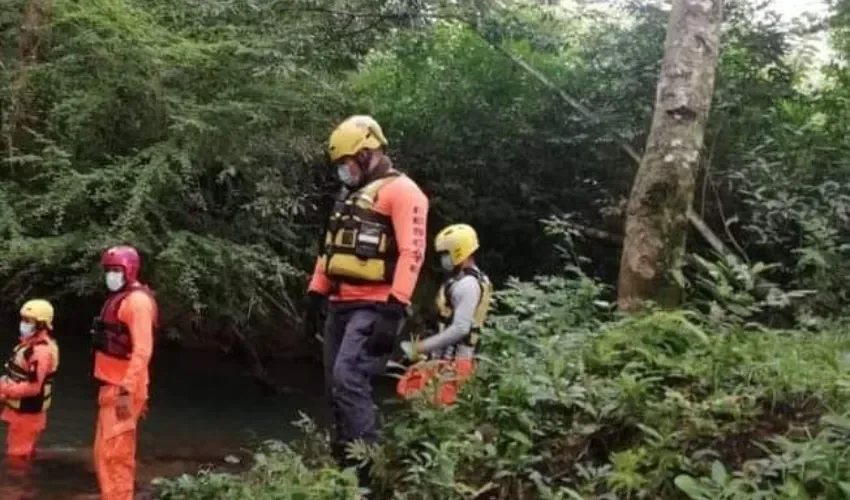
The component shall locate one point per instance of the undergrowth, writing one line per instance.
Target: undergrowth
(573, 402)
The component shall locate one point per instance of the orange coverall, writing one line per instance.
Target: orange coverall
(115, 435)
(25, 428)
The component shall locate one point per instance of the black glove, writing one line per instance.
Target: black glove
(311, 317)
(385, 331)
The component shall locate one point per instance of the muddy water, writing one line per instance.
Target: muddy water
(201, 410)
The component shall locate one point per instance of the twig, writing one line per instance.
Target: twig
(693, 218)
(292, 310)
(592, 232)
(708, 164)
(621, 141)
(716, 192)
(258, 368)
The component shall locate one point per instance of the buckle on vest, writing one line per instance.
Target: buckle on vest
(98, 325)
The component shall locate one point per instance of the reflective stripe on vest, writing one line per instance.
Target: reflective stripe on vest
(110, 335)
(445, 312)
(360, 244)
(18, 370)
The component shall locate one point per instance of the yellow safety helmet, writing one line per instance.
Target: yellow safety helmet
(38, 310)
(458, 240)
(354, 134)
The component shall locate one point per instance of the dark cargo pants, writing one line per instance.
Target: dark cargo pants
(349, 370)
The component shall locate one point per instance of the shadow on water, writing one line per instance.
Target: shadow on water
(201, 409)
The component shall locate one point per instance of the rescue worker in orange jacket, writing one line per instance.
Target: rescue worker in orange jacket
(122, 338)
(462, 303)
(26, 385)
(373, 251)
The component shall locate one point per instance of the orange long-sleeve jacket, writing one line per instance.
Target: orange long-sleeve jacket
(138, 311)
(407, 206)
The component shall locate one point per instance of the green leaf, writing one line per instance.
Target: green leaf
(718, 473)
(690, 487)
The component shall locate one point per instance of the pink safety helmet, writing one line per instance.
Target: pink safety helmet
(125, 257)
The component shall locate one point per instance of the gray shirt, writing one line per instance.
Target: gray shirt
(464, 296)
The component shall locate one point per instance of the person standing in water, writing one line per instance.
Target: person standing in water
(26, 385)
(122, 338)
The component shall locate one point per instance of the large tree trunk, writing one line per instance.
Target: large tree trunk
(661, 197)
(696, 221)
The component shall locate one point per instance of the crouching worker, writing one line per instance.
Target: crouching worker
(462, 305)
(27, 383)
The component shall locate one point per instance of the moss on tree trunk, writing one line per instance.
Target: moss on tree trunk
(663, 190)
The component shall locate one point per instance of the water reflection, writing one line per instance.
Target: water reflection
(51, 475)
(201, 410)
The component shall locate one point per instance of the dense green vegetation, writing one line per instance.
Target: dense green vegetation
(573, 403)
(196, 130)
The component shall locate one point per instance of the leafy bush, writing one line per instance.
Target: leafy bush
(280, 474)
(661, 405)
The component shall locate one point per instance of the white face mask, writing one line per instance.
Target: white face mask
(114, 280)
(27, 329)
(446, 262)
(345, 176)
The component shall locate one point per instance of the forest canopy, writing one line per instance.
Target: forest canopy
(196, 130)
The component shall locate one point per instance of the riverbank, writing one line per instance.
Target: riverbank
(667, 405)
(48, 477)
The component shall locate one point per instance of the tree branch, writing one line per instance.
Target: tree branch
(695, 220)
(723, 219)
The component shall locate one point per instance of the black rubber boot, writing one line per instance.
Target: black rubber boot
(364, 479)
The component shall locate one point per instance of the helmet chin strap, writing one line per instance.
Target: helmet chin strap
(368, 172)
(363, 159)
